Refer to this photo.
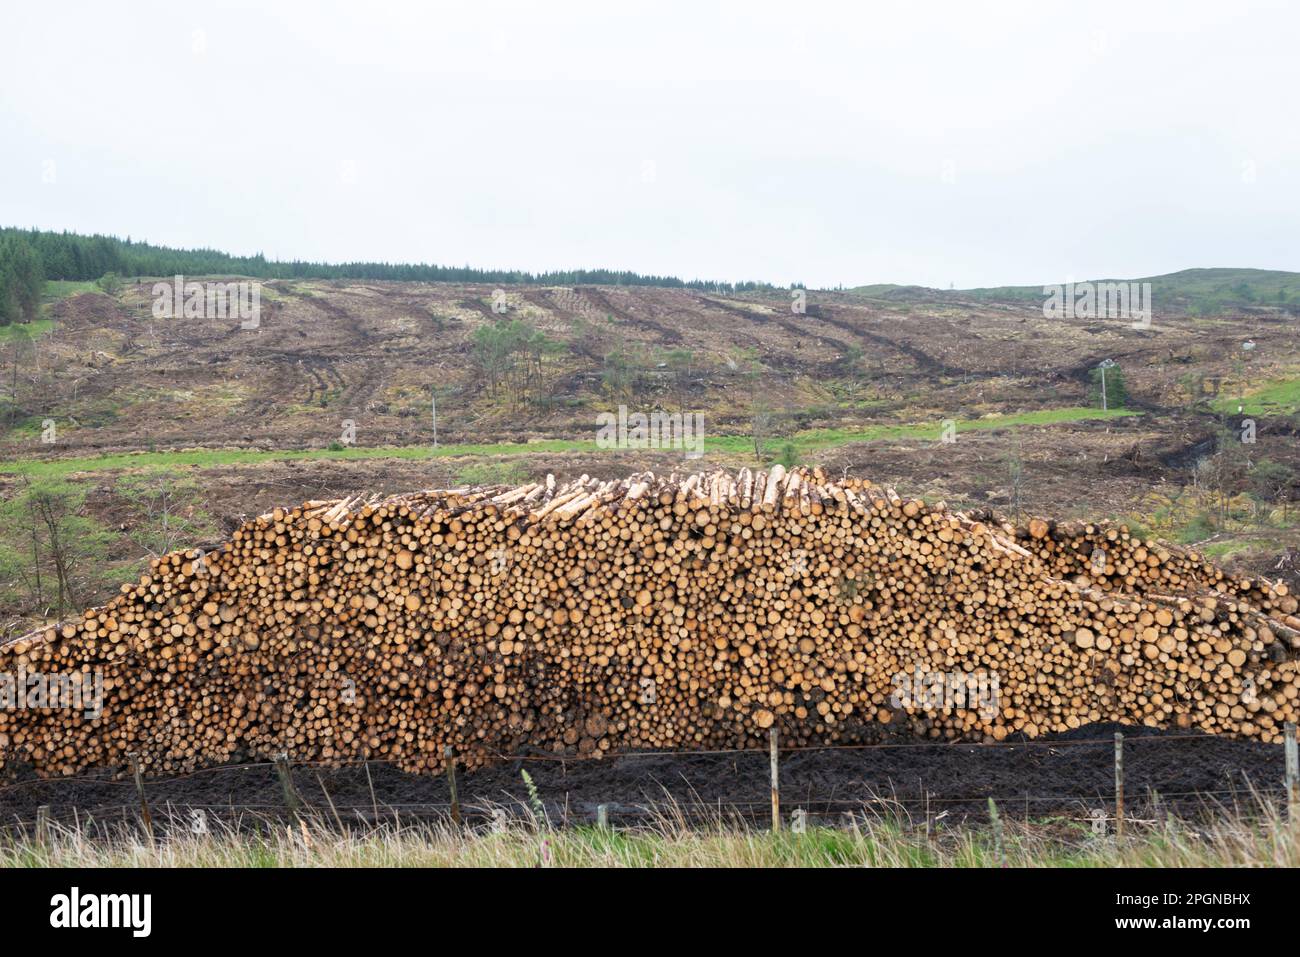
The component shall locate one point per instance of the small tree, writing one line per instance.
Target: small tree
(1116, 392)
(760, 415)
(1223, 473)
(681, 362)
(110, 284)
(170, 514)
(49, 548)
(22, 349)
(1193, 383)
(1016, 483)
(623, 375)
(491, 351)
(1271, 482)
(512, 353)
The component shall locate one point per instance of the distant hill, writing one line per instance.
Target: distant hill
(1194, 291)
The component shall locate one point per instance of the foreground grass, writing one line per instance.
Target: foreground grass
(804, 442)
(1265, 839)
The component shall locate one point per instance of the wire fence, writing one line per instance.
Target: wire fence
(880, 746)
(333, 764)
(1091, 801)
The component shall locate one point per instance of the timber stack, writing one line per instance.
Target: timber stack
(655, 612)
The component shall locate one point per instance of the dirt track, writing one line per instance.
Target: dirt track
(1061, 775)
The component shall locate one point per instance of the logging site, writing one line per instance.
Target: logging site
(623, 624)
(585, 438)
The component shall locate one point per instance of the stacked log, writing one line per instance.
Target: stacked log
(681, 611)
(1109, 556)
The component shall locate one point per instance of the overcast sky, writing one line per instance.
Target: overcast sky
(929, 143)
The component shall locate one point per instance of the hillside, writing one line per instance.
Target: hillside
(1197, 292)
(377, 354)
(154, 431)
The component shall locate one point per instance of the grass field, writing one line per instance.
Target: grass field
(31, 330)
(1278, 397)
(56, 289)
(803, 442)
(1264, 838)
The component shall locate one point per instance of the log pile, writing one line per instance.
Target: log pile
(682, 611)
(1109, 557)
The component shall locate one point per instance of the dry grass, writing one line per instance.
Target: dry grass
(1262, 837)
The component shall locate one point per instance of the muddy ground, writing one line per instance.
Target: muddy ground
(1060, 776)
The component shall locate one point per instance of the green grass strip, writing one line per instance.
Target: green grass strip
(810, 440)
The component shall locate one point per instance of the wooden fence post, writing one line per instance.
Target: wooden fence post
(602, 816)
(450, 755)
(776, 782)
(1292, 773)
(286, 781)
(1119, 785)
(145, 817)
(42, 825)
(995, 819)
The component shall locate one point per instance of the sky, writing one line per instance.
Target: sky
(934, 143)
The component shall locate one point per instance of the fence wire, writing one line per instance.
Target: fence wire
(89, 810)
